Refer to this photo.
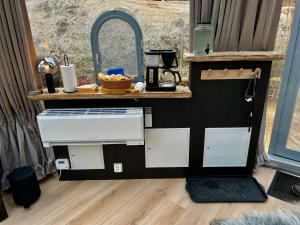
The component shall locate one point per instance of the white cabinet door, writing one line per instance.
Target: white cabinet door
(167, 147)
(86, 157)
(226, 147)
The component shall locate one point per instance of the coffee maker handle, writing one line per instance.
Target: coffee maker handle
(178, 75)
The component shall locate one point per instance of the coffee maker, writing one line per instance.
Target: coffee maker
(164, 62)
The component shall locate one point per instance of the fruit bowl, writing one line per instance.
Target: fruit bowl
(115, 81)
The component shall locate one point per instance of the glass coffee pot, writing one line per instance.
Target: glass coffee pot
(170, 78)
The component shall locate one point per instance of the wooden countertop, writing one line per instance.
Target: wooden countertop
(234, 56)
(181, 92)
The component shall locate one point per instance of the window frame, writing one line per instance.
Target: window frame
(95, 31)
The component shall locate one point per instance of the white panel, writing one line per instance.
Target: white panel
(86, 157)
(226, 147)
(167, 147)
(109, 127)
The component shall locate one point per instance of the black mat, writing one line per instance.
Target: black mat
(281, 187)
(225, 189)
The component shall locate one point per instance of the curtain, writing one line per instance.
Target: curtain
(20, 143)
(240, 25)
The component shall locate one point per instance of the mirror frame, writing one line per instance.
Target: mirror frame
(96, 53)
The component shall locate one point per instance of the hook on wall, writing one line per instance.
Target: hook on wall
(230, 74)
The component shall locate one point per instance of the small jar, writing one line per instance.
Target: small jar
(203, 39)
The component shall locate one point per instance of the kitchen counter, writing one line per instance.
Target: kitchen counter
(180, 93)
(169, 116)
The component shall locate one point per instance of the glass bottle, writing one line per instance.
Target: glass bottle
(203, 39)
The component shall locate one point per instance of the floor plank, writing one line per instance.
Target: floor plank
(144, 201)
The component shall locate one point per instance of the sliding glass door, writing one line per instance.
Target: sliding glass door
(285, 140)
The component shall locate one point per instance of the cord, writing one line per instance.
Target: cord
(59, 174)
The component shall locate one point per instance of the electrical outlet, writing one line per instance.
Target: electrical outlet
(118, 167)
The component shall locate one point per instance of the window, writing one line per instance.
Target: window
(281, 45)
(285, 136)
(117, 41)
(65, 26)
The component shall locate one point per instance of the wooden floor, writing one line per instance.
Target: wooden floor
(162, 201)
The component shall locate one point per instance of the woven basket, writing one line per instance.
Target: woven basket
(117, 84)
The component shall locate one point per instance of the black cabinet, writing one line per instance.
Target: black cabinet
(220, 103)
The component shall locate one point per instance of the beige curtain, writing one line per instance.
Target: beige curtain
(240, 25)
(20, 142)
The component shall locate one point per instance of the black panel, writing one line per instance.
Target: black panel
(220, 103)
(61, 152)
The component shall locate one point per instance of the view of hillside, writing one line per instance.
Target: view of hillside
(64, 26)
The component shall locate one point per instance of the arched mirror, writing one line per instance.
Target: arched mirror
(116, 40)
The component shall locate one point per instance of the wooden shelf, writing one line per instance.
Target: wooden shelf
(234, 56)
(181, 92)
